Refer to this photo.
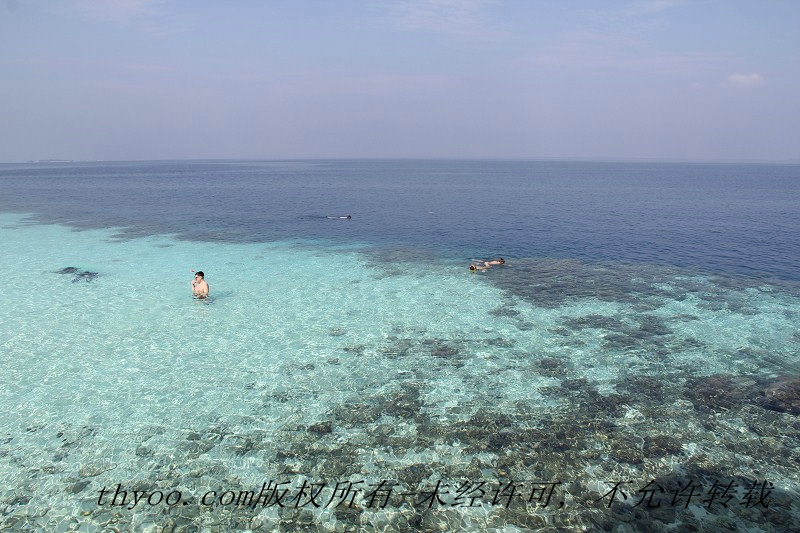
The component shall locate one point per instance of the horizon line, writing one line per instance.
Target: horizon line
(55, 161)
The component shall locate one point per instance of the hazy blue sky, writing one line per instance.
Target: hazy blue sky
(176, 79)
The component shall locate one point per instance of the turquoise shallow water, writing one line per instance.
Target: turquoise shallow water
(328, 363)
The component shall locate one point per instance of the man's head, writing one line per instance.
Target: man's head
(199, 274)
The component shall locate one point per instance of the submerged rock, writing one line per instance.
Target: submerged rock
(642, 386)
(593, 321)
(504, 311)
(712, 392)
(551, 366)
(500, 342)
(660, 445)
(720, 391)
(619, 341)
(321, 427)
(652, 325)
(783, 396)
(440, 348)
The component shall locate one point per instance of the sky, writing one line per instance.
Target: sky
(668, 80)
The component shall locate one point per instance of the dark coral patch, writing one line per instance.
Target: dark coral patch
(642, 386)
(660, 445)
(720, 391)
(551, 366)
(594, 321)
(783, 396)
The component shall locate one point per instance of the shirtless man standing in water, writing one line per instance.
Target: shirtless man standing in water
(199, 285)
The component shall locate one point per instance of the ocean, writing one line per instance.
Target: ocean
(633, 366)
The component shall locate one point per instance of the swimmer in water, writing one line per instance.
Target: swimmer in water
(344, 217)
(487, 264)
(199, 285)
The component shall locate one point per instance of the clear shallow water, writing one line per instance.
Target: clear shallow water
(334, 351)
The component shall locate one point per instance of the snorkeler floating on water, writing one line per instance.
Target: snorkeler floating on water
(486, 265)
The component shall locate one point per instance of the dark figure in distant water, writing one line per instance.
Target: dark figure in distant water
(199, 285)
(80, 275)
(343, 217)
(85, 276)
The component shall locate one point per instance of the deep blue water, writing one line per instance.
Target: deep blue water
(723, 218)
